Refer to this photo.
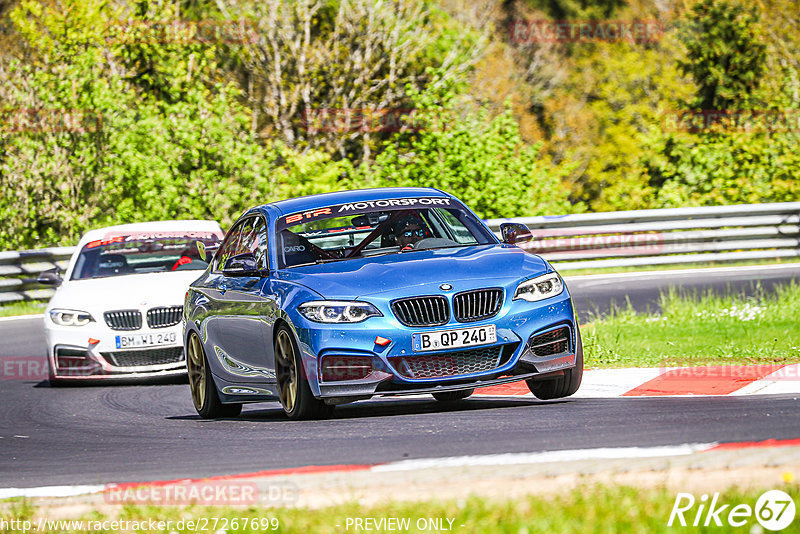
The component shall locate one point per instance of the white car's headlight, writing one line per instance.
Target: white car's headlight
(337, 311)
(539, 288)
(70, 317)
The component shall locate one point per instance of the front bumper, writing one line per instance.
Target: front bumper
(72, 357)
(516, 327)
(342, 393)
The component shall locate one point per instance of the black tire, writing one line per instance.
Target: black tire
(565, 385)
(294, 392)
(452, 396)
(201, 383)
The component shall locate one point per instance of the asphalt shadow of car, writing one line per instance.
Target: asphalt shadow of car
(387, 408)
(148, 381)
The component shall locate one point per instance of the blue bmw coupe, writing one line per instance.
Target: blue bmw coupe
(334, 298)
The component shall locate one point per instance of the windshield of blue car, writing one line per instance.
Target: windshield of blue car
(328, 237)
(142, 253)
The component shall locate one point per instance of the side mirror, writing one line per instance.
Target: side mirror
(241, 265)
(50, 277)
(514, 233)
(206, 252)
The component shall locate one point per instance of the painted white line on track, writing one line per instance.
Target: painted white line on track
(671, 272)
(49, 491)
(22, 317)
(543, 457)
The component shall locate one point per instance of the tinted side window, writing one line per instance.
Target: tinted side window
(247, 237)
(254, 240)
(259, 244)
(228, 247)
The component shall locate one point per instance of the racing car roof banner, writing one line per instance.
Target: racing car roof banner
(356, 208)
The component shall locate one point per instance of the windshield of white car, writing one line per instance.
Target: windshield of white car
(130, 254)
(378, 233)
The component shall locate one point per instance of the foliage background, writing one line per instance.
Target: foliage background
(115, 111)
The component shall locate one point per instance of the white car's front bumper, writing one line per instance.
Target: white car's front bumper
(92, 352)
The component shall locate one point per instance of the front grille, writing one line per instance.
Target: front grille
(553, 342)
(138, 358)
(124, 319)
(164, 317)
(449, 364)
(477, 305)
(422, 311)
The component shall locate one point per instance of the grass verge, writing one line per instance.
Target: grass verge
(588, 509)
(705, 329)
(22, 308)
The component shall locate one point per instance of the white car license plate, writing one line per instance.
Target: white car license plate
(145, 340)
(453, 339)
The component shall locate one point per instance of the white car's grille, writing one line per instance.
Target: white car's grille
(123, 319)
(164, 317)
(141, 358)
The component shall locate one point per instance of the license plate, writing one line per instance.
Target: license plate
(145, 340)
(453, 339)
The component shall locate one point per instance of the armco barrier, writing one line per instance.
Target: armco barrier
(19, 269)
(582, 241)
(665, 236)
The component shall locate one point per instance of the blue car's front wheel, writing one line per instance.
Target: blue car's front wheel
(204, 392)
(295, 394)
(565, 385)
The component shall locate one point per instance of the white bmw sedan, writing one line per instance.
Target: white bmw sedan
(117, 311)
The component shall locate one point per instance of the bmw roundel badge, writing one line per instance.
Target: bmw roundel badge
(445, 287)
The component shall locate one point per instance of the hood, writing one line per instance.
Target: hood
(124, 292)
(356, 278)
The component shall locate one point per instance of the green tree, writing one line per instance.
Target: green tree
(481, 160)
(748, 153)
(130, 151)
(725, 54)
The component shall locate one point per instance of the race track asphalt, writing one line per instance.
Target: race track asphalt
(99, 434)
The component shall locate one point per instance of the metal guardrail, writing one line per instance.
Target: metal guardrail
(665, 236)
(581, 241)
(19, 269)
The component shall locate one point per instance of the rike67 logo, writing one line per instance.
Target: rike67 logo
(774, 510)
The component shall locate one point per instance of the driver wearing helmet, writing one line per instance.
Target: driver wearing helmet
(409, 230)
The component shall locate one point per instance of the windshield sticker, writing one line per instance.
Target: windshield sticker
(360, 207)
(113, 238)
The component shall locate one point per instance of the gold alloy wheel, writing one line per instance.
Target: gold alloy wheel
(195, 363)
(286, 370)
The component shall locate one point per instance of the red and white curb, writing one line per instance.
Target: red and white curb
(674, 381)
(607, 453)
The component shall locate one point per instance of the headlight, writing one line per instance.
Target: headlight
(337, 311)
(70, 317)
(541, 287)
